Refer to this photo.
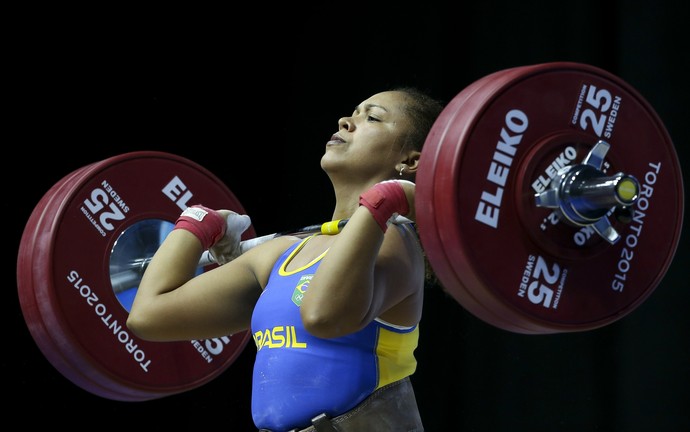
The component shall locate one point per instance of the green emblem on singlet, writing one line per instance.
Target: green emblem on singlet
(300, 289)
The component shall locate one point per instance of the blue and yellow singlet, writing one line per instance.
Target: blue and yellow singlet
(298, 376)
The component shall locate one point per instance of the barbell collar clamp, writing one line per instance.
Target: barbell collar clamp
(584, 195)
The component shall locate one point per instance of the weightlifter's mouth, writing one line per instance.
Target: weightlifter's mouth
(335, 140)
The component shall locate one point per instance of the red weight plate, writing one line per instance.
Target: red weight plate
(56, 340)
(71, 276)
(29, 305)
(436, 164)
(524, 270)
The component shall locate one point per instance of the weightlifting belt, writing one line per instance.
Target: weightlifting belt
(392, 408)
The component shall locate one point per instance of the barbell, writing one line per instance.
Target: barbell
(549, 200)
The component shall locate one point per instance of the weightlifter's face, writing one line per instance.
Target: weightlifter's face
(368, 142)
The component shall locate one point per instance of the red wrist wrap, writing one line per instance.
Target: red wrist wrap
(383, 200)
(206, 224)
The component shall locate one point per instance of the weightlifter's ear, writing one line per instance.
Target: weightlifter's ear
(411, 162)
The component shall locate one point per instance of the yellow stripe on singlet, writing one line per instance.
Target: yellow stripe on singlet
(395, 352)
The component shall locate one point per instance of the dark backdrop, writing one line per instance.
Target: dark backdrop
(253, 95)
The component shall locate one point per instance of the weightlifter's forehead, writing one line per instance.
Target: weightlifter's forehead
(388, 101)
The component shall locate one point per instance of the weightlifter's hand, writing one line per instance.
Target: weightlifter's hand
(228, 247)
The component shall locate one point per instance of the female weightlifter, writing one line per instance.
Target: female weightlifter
(335, 318)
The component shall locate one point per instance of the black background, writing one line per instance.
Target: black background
(253, 95)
